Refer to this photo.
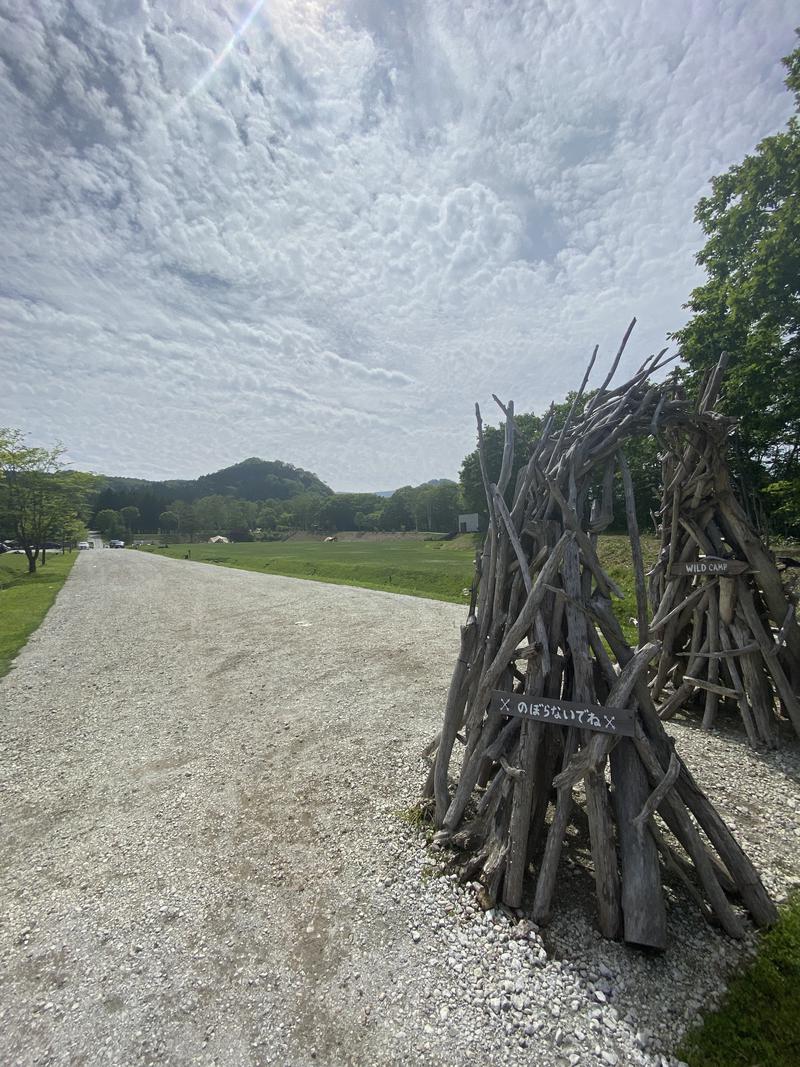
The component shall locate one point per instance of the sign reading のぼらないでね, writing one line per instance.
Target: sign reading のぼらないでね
(596, 717)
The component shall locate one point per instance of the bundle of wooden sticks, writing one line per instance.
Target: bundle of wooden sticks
(716, 592)
(543, 658)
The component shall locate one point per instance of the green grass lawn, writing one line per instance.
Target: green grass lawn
(757, 1023)
(615, 555)
(26, 598)
(440, 570)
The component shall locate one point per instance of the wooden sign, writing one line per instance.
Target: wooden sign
(595, 717)
(709, 565)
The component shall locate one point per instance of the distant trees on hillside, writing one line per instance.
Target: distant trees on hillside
(109, 523)
(429, 507)
(168, 522)
(251, 481)
(130, 517)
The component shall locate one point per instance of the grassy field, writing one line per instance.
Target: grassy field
(757, 1023)
(437, 569)
(441, 570)
(25, 599)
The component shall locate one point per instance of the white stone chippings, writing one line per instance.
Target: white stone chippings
(204, 860)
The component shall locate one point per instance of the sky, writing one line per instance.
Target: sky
(320, 231)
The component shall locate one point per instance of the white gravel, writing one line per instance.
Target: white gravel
(202, 861)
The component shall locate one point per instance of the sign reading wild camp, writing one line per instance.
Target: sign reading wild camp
(596, 717)
(709, 565)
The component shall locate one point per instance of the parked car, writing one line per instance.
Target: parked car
(84, 544)
(116, 544)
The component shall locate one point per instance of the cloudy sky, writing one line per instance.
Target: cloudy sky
(319, 231)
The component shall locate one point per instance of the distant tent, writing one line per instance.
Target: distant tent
(219, 540)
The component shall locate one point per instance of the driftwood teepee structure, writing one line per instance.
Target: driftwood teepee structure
(715, 591)
(544, 669)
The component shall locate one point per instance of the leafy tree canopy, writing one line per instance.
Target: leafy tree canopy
(40, 500)
(109, 523)
(750, 304)
(168, 521)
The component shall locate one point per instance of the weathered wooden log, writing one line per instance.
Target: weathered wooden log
(636, 549)
(736, 682)
(712, 698)
(546, 881)
(742, 871)
(769, 651)
(598, 804)
(530, 744)
(456, 698)
(644, 913)
(736, 525)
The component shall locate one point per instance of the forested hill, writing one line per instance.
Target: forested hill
(252, 479)
(258, 479)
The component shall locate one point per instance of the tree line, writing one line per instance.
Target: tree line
(429, 507)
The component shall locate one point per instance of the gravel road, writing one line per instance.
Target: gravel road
(202, 859)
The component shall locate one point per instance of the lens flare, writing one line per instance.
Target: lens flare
(220, 58)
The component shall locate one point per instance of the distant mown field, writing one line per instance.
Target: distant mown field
(440, 570)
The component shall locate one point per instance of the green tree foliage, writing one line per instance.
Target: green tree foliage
(109, 523)
(397, 512)
(302, 512)
(268, 516)
(338, 512)
(40, 500)
(256, 495)
(253, 480)
(257, 479)
(213, 514)
(168, 522)
(750, 304)
(436, 507)
(474, 497)
(130, 517)
(187, 518)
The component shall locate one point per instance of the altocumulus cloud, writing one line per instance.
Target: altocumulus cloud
(319, 231)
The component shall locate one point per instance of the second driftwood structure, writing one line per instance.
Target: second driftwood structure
(715, 592)
(541, 626)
